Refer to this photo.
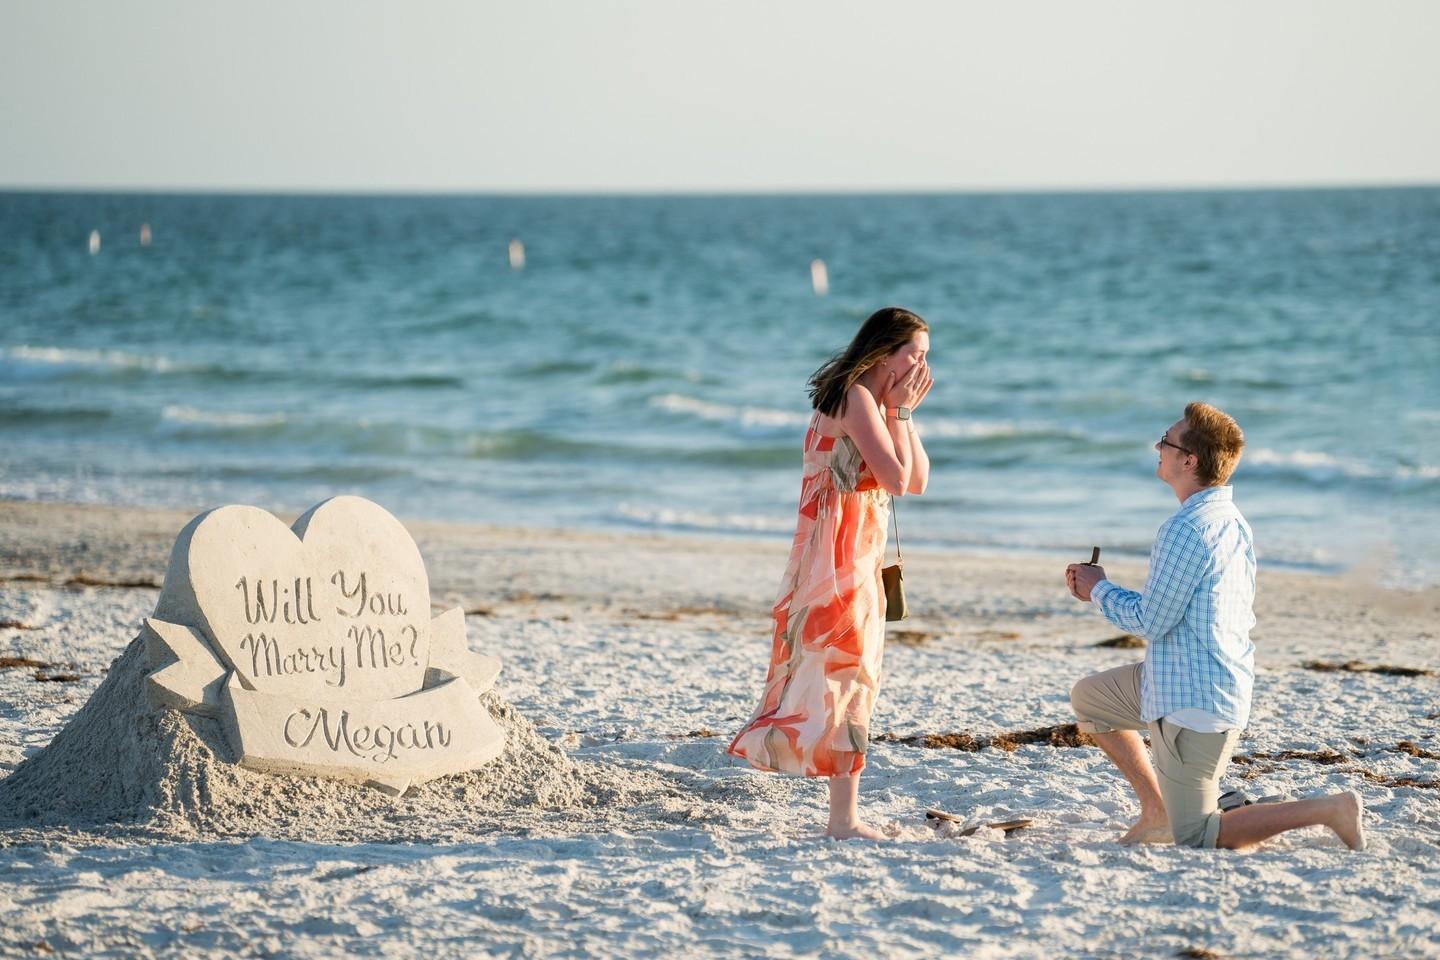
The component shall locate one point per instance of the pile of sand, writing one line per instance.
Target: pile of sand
(124, 765)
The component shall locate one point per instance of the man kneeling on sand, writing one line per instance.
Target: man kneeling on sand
(1193, 690)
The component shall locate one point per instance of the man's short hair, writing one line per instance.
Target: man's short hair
(1216, 439)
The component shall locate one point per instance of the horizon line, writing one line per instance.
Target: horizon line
(699, 192)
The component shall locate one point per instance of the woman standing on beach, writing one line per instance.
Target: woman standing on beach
(829, 619)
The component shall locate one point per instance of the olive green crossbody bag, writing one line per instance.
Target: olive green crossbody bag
(892, 578)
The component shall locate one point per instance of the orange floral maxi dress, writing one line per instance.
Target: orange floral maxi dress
(829, 623)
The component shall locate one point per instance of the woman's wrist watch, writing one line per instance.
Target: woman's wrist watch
(902, 413)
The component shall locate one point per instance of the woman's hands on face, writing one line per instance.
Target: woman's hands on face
(910, 388)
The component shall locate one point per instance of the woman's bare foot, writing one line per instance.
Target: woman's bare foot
(1147, 830)
(855, 831)
(1348, 818)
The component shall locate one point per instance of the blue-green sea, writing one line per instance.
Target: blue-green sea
(646, 368)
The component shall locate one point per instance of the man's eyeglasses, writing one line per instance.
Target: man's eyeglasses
(1165, 442)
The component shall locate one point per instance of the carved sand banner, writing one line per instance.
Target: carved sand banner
(315, 647)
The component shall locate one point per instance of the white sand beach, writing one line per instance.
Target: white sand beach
(619, 827)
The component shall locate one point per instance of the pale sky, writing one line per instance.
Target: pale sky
(666, 95)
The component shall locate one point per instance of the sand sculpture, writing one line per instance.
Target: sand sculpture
(315, 647)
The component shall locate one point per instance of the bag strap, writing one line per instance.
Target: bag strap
(895, 520)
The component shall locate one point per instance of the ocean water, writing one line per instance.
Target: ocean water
(646, 368)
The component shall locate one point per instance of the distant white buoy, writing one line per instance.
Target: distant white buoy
(819, 278)
(94, 242)
(144, 234)
(517, 255)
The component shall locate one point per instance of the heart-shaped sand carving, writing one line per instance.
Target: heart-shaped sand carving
(336, 608)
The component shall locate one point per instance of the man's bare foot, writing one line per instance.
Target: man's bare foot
(855, 831)
(1348, 818)
(1147, 830)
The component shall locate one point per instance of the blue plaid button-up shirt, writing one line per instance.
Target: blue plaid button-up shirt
(1195, 612)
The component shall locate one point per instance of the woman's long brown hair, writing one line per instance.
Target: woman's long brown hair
(883, 332)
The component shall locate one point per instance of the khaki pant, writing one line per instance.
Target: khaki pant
(1188, 764)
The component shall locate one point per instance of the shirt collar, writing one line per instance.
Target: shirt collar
(1219, 494)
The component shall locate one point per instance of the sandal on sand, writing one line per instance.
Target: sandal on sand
(1231, 799)
(1009, 826)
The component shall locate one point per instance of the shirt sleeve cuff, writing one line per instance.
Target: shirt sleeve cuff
(1098, 592)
